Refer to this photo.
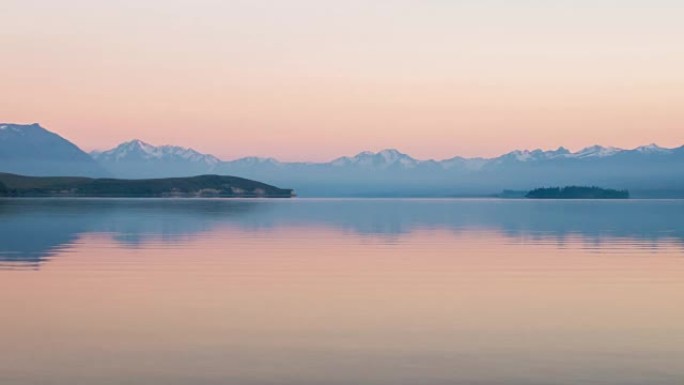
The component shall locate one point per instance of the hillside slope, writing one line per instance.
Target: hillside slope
(12, 185)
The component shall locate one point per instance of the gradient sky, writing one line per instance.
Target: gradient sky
(314, 79)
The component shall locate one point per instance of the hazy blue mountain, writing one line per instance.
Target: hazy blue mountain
(137, 159)
(648, 170)
(596, 152)
(30, 149)
(642, 170)
(382, 160)
(393, 173)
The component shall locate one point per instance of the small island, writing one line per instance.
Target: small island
(577, 192)
(203, 186)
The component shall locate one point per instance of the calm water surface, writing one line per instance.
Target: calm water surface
(348, 292)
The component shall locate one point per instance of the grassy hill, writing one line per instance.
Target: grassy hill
(12, 185)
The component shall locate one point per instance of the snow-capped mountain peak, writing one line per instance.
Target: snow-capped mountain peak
(20, 129)
(596, 151)
(382, 159)
(137, 145)
(523, 155)
(136, 150)
(254, 161)
(534, 155)
(653, 149)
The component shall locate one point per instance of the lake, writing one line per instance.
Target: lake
(341, 292)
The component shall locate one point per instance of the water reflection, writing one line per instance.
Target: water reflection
(341, 292)
(33, 230)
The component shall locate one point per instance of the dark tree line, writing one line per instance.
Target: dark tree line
(577, 192)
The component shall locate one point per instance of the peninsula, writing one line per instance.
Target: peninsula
(12, 185)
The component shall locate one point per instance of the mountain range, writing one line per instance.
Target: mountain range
(137, 159)
(648, 170)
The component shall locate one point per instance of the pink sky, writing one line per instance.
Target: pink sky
(312, 80)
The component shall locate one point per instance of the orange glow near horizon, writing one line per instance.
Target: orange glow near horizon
(310, 80)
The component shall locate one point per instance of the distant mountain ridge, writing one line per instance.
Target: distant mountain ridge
(382, 160)
(388, 172)
(392, 173)
(136, 150)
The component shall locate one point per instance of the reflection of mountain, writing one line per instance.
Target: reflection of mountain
(31, 231)
(31, 239)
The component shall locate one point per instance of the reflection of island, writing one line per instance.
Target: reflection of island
(198, 186)
(33, 230)
(577, 192)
